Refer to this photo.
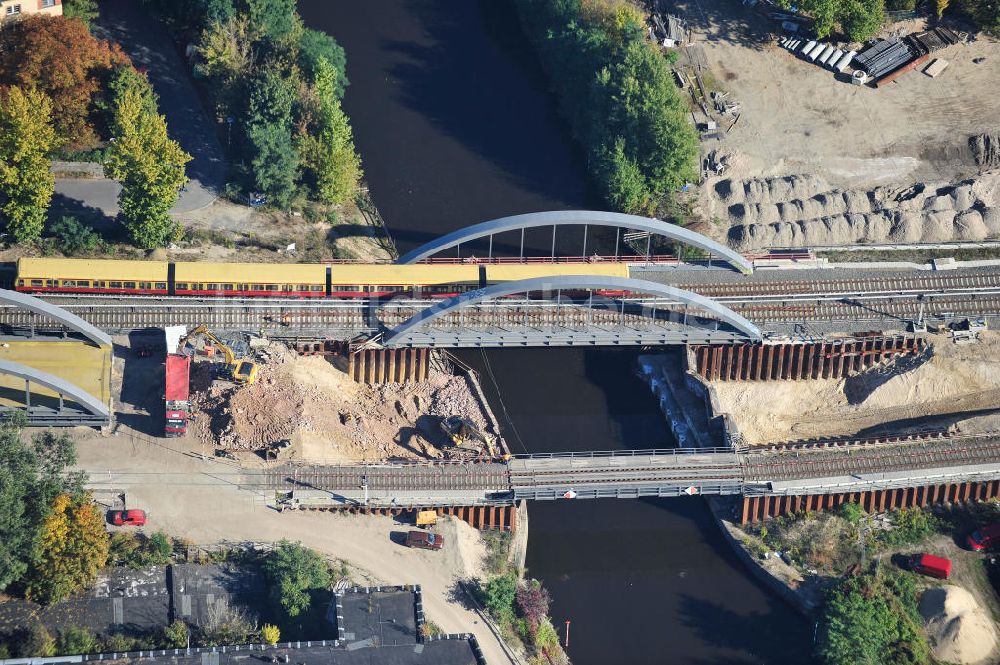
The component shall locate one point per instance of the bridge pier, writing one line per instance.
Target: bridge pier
(759, 508)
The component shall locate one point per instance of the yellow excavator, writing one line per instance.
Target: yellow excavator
(242, 371)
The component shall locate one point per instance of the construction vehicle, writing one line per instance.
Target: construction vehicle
(241, 371)
(426, 518)
(176, 398)
(468, 440)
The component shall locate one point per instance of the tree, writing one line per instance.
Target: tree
(150, 168)
(276, 21)
(940, 6)
(316, 46)
(84, 10)
(36, 642)
(30, 478)
(74, 236)
(296, 573)
(72, 548)
(873, 619)
(26, 139)
(60, 58)
(498, 596)
(328, 148)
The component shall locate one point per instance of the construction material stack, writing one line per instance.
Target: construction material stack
(178, 405)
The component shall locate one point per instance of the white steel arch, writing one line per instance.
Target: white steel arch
(401, 333)
(578, 218)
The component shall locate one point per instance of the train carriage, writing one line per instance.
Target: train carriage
(48, 275)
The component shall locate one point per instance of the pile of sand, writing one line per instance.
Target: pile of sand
(959, 629)
(328, 417)
(798, 211)
(948, 378)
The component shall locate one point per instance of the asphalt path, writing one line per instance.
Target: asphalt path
(149, 46)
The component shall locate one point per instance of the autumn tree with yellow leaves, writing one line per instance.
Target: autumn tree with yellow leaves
(27, 136)
(72, 548)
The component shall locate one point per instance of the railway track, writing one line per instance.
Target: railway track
(885, 458)
(386, 478)
(902, 282)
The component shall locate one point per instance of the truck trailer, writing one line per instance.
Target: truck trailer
(177, 399)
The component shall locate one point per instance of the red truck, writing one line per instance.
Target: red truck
(178, 405)
(928, 564)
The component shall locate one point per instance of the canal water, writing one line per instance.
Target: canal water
(455, 126)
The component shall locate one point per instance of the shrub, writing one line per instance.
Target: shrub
(176, 634)
(36, 642)
(74, 236)
(296, 573)
(852, 512)
(270, 634)
(498, 596)
(74, 641)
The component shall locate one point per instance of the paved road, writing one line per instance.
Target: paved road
(147, 43)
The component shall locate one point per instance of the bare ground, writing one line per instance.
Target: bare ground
(948, 379)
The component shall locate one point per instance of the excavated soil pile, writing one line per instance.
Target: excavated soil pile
(959, 629)
(948, 378)
(803, 211)
(328, 417)
(986, 150)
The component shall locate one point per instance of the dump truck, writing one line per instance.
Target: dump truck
(240, 370)
(176, 395)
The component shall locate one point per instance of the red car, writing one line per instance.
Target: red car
(133, 517)
(984, 537)
(424, 540)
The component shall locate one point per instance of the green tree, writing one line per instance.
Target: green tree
(160, 548)
(272, 159)
(26, 139)
(149, 166)
(296, 573)
(277, 21)
(31, 476)
(498, 596)
(35, 642)
(85, 10)
(328, 149)
(72, 547)
(315, 47)
(873, 620)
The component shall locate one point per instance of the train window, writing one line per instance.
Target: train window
(182, 286)
(270, 287)
(212, 287)
(20, 282)
(114, 285)
(317, 288)
(145, 286)
(69, 282)
(196, 286)
(99, 284)
(303, 287)
(38, 282)
(227, 287)
(288, 288)
(392, 289)
(243, 287)
(51, 282)
(128, 285)
(160, 285)
(83, 282)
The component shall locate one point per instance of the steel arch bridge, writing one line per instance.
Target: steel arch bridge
(566, 320)
(585, 218)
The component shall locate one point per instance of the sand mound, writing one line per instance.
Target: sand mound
(957, 626)
(948, 379)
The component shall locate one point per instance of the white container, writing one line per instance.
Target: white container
(834, 59)
(810, 45)
(816, 51)
(825, 55)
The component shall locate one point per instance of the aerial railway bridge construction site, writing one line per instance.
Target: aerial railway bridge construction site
(771, 317)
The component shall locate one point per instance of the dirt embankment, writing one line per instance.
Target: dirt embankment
(328, 417)
(947, 378)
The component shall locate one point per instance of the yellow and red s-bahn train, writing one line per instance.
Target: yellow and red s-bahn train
(289, 280)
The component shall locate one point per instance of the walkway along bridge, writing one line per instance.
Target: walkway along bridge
(771, 480)
(661, 301)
